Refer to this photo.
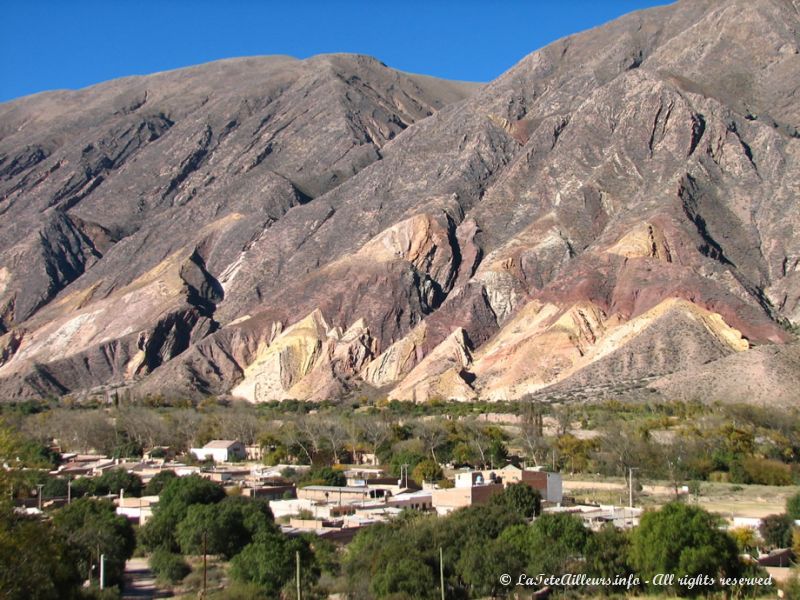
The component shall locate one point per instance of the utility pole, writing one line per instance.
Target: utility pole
(441, 571)
(205, 564)
(102, 571)
(40, 486)
(297, 577)
(69, 490)
(404, 474)
(630, 485)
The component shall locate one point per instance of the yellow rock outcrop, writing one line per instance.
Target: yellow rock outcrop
(439, 373)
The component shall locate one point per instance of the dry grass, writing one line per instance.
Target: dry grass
(727, 499)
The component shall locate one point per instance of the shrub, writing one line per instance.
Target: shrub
(793, 506)
(427, 470)
(169, 567)
(777, 530)
(763, 471)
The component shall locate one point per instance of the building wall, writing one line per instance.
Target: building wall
(447, 500)
(333, 497)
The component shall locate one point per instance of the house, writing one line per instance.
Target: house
(548, 484)
(270, 492)
(226, 475)
(339, 495)
(220, 451)
(138, 510)
(415, 500)
(470, 489)
(254, 452)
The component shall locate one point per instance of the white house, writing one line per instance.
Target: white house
(220, 451)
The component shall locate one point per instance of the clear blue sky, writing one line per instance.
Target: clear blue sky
(58, 44)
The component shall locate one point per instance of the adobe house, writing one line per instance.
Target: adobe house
(548, 484)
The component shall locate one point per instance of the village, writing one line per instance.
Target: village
(369, 494)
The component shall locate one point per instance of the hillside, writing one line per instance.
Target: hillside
(620, 205)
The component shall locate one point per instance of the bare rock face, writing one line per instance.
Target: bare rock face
(620, 206)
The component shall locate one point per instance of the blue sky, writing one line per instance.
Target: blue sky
(74, 43)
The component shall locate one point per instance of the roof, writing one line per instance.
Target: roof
(224, 444)
(335, 489)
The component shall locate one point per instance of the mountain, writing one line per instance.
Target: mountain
(616, 212)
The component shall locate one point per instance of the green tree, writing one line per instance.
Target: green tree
(114, 480)
(479, 567)
(227, 526)
(168, 567)
(497, 452)
(55, 487)
(326, 476)
(427, 470)
(173, 504)
(556, 543)
(269, 562)
(776, 530)
(464, 454)
(793, 506)
(92, 528)
(35, 560)
(520, 498)
(683, 540)
(409, 576)
(158, 482)
(607, 553)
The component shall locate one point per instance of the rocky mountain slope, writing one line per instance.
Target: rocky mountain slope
(620, 208)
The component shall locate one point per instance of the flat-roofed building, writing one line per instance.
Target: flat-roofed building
(548, 484)
(331, 494)
(471, 488)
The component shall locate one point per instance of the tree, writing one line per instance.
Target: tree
(432, 435)
(683, 540)
(168, 567)
(793, 506)
(776, 530)
(223, 528)
(35, 560)
(427, 470)
(326, 476)
(745, 538)
(607, 553)
(498, 453)
(464, 454)
(269, 562)
(409, 576)
(556, 543)
(531, 431)
(114, 480)
(520, 498)
(174, 502)
(92, 528)
(143, 426)
(158, 482)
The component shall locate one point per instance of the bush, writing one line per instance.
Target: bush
(793, 506)
(763, 471)
(776, 530)
(158, 482)
(427, 470)
(114, 480)
(520, 498)
(169, 567)
(682, 540)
